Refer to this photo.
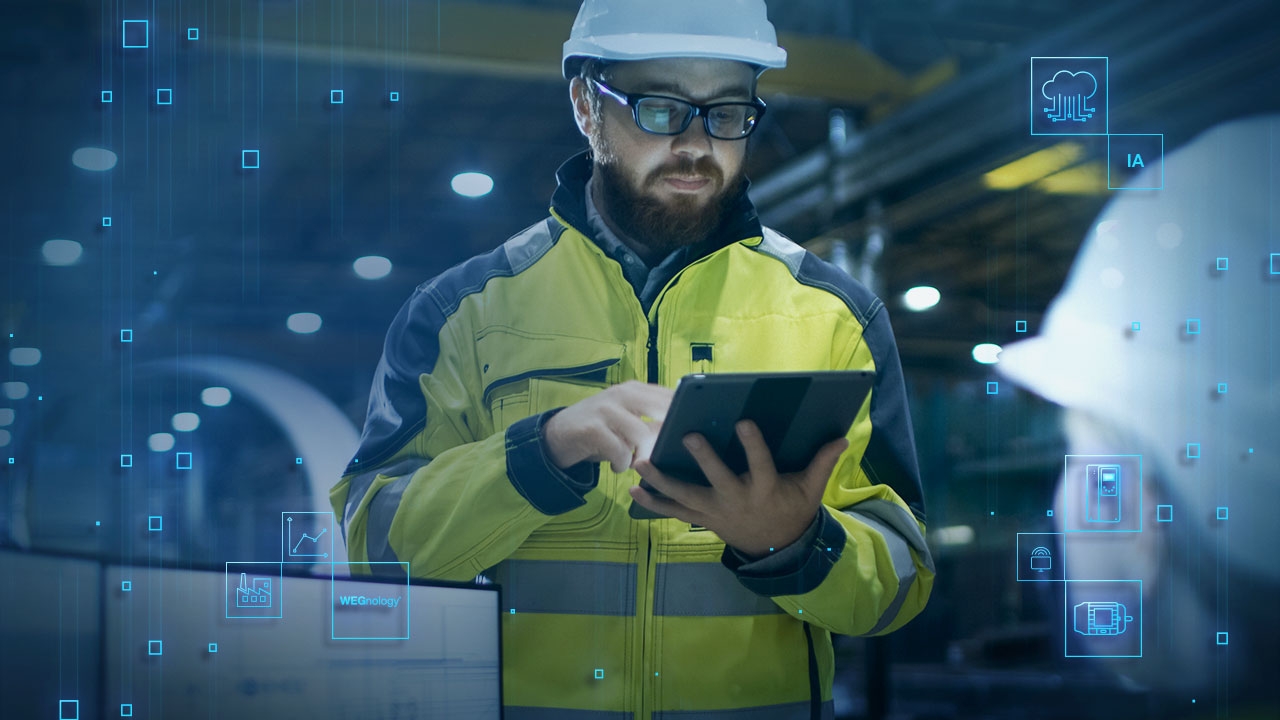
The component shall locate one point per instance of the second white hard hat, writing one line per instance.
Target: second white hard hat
(622, 30)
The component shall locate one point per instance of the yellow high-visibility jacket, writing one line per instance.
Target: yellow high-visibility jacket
(608, 617)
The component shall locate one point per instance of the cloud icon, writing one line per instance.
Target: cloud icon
(1066, 84)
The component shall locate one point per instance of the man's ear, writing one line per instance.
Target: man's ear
(578, 90)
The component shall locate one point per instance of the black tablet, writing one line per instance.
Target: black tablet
(797, 412)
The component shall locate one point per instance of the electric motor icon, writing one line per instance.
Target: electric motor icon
(1041, 559)
(1101, 618)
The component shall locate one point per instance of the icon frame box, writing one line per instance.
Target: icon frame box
(1111, 164)
(287, 545)
(261, 569)
(126, 461)
(1222, 513)
(155, 648)
(1164, 513)
(155, 523)
(1222, 263)
(1127, 503)
(1073, 66)
(213, 647)
(333, 600)
(1129, 590)
(395, 96)
(65, 705)
(146, 33)
(1055, 543)
(193, 33)
(164, 96)
(106, 96)
(1275, 263)
(1221, 638)
(178, 460)
(1020, 326)
(1222, 388)
(126, 586)
(335, 97)
(993, 387)
(126, 709)
(126, 335)
(1193, 451)
(244, 160)
(1193, 326)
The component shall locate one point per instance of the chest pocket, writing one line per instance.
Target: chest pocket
(527, 373)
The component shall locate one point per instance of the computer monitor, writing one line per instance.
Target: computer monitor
(254, 643)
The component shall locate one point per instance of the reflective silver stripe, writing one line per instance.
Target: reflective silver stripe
(705, 589)
(786, 711)
(567, 587)
(901, 520)
(382, 510)
(899, 552)
(514, 712)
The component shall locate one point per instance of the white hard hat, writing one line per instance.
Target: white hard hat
(650, 29)
(1168, 328)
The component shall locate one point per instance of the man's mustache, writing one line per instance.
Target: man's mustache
(703, 167)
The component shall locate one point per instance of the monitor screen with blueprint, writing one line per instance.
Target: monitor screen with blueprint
(255, 643)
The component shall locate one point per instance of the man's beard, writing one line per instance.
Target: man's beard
(663, 225)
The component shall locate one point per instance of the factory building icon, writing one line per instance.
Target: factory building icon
(255, 595)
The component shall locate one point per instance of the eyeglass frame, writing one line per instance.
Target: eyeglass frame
(632, 100)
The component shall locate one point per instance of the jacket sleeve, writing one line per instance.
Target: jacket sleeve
(427, 493)
(867, 569)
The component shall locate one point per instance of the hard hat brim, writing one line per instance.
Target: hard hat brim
(637, 46)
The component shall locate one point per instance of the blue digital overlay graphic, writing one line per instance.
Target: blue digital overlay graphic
(1069, 96)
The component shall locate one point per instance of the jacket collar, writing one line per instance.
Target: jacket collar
(569, 203)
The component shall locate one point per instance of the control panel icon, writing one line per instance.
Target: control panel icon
(1102, 493)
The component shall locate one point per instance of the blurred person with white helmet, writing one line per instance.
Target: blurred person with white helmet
(520, 393)
(1165, 342)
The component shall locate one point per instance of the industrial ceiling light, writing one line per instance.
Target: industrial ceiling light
(372, 267)
(61, 253)
(987, 353)
(304, 323)
(921, 297)
(186, 421)
(215, 396)
(24, 356)
(160, 442)
(471, 184)
(93, 158)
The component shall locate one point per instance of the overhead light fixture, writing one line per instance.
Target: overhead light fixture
(953, 535)
(6, 417)
(1039, 164)
(471, 184)
(160, 442)
(1086, 179)
(24, 356)
(61, 253)
(921, 297)
(987, 353)
(5, 438)
(215, 396)
(186, 421)
(304, 323)
(372, 267)
(16, 390)
(94, 158)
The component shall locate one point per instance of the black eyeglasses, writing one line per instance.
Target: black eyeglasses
(662, 115)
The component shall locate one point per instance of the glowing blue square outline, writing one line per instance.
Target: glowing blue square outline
(1223, 512)
(1222, 388)
(146, 34)
(107, 96)
(126, 461)
(1196, 447)
(599, 675)
(124, 707)
(1162, 519)
(1136, 326)
(1222, 638)
(257, 160)
(1019, 326)
(191, 30)
(1222, 263)
(1109, 135)
(1067, 458)
(1066, 618)
(213, 647)
(106, 221)
(1197, 322)
(1031, 73)
(304, 559)
(157, 526)
(178, 461)
(126, 335)
(164, 102)
(279, 591)
(1275, 267)
(159, 645)
(993, 387)
(75, 706)
(339, 96)
(1017, 557)
(332, 599)
(395, 96)
(126, 586)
